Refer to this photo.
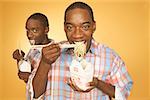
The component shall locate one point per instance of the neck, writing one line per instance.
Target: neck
(46, 41)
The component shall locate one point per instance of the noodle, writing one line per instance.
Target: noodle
(80, 49)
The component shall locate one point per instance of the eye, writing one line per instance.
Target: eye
(69, 28)
(34, 30)
(85, 27)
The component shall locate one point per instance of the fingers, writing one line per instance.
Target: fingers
(50, 53)
(91, 84)
(16, 55)
(70, 83)
(52, 46)
(22, 53)
(94, 82)
(73, 86)
(88, 90)
(76, 88)
(23, 75)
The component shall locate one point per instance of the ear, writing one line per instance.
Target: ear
(46, 30)
(94, 26)
(65, 28)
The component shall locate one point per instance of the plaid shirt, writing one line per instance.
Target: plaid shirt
(108, 67)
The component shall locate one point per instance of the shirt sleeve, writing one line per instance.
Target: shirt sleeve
(121, 79)
(34, 57)
(34, 60)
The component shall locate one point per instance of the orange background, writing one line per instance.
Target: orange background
(123, 25)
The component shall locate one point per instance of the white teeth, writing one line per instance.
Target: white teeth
(80, 42)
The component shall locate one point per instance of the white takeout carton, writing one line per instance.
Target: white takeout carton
(81, 73)
(24, 66)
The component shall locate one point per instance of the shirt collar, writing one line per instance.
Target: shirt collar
(94, 44)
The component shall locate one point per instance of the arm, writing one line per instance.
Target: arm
(49, 56)
(104, 87)
(17, 56)
(120, 83)
(40, 79)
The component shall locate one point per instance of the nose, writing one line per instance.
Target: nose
(78, 34)
(29, 34)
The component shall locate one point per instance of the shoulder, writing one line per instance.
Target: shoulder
(102, 49)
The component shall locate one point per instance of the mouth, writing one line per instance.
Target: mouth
(80, 42)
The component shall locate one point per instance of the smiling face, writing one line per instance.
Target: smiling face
(36, 31)
(79, 26)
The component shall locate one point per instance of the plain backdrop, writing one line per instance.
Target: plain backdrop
(123, 25)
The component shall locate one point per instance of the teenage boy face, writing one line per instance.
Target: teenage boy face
(36, 31)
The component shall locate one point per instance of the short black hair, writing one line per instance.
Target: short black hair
(81, 5)
(41, 17)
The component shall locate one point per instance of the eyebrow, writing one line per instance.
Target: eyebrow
(82, 23)
(86, 23)
(32, 28)
(67, 23)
